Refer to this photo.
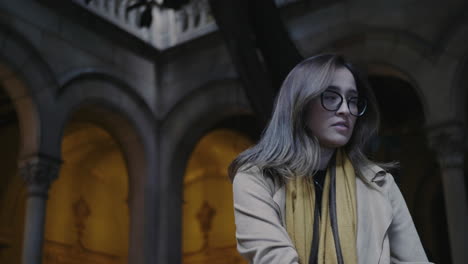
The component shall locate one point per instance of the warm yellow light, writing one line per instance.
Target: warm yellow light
(87, 211)
(208, 220)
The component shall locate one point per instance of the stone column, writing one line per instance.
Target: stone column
(448, 141)
(38, 173)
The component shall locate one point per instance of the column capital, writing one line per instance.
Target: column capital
(448, 141)
(38, 172)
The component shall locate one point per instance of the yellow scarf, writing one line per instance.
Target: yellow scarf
(300, 208)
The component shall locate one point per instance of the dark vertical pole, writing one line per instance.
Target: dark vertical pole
(260, 47)
(233, 22)
(272, 38)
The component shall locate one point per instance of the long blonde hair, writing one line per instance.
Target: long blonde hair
(286, 148)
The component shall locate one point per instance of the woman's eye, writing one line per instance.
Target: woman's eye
(331, 97)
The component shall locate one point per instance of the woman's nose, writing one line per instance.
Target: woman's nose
(343, 109)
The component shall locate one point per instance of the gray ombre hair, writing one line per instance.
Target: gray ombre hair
(287, 148)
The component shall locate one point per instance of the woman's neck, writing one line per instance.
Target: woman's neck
(325, 156)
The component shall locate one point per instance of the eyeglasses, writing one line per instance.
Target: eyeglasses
(332, 101)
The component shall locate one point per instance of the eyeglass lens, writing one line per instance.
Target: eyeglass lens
(332, 101)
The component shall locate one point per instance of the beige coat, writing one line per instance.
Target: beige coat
(385, 231)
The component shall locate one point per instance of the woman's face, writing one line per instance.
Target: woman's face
(333, 129)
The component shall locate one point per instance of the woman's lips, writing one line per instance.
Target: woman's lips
(341, 126)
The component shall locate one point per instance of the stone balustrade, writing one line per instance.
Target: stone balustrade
(168, 28)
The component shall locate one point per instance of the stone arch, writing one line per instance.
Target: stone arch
(28, 81)
(403, 56)
(454, 51)
(185, 124)
(358, 31)
(389, 52)
(108, 102)
(454, 58)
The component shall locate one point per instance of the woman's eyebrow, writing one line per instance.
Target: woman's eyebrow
(337, 89)
(352, 92)
(334, 88)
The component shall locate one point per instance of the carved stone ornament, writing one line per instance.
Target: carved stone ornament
(448, 142)
(205, 217)
(39, 172)
(81, 211)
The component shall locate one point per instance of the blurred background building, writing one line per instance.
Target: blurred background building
(118, 118)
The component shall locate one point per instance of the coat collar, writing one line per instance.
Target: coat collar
(374, 175)
(374, 213)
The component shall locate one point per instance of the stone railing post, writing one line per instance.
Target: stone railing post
(448, 141)
(38, 173)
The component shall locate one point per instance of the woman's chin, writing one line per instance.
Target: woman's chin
(335, 142)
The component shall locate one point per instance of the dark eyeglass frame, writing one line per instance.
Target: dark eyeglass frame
(359, 99)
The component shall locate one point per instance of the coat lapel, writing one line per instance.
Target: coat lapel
(279, 197)
(374, 215)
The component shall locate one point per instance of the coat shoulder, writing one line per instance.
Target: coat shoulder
(253, 175)
(377, 177)
(247, 175)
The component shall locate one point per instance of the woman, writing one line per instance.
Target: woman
(306, 193)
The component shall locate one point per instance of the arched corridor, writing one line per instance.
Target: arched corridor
(208, 223)
(127, 126)
(87, 217)
(12, 186)
(403, 138)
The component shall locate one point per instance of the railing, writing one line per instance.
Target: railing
(168, 28)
